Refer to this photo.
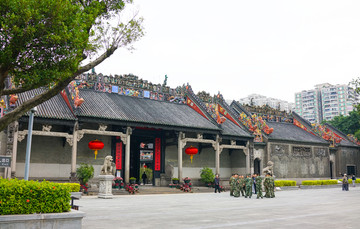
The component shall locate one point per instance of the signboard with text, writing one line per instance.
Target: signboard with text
(5, 161)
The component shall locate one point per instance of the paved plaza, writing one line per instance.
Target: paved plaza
(314, 208)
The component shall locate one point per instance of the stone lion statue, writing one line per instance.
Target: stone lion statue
(269, 168)
(107, 168)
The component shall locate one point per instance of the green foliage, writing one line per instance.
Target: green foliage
(43, 43)
(207, 175)
(28, 197)
(148, 172)
(350, 181)
(74, 187)
(319, 182)
(132, 178)
(84, 173)
(348, 124)
(282, 183)
(175, 178)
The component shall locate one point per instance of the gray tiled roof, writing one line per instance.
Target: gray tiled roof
(54, 108)
(290, 132)
(127, 108)
(230, 128)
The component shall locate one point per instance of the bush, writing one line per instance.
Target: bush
(319, 182)
(84, 173)
(74, 187)
(175, 178)
(29, 197)
(282, 183)
(350, 181)
(132, 178)
(207, 175)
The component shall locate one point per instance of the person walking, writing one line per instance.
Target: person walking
(217, 183)
(144, 178)
(248, 185)
(258, 180)
(353, 180)
(236, 185)
(345, 183)
(242, 185)
(231, 185)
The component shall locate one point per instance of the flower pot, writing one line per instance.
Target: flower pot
(132, 181)
(175, 181)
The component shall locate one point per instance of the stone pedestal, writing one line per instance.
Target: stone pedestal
(105, 187)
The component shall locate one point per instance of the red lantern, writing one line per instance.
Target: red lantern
(96, 145)
(191, 151)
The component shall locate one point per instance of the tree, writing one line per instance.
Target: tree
(348, 124)
(48, 43)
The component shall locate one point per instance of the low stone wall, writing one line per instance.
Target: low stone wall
(67, 220)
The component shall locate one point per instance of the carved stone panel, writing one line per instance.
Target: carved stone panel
(279, 150)
(320, 152)
(301, 151)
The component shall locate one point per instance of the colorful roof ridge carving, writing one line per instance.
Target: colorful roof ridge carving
(131, 85)
(353, 139)
(269, 114)
(255, 124)
(327, 134)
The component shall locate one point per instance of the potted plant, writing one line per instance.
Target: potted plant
(117, 182)
(207, 176)
(187, 180)
(175, 180)
(84, 173)
(132, 180)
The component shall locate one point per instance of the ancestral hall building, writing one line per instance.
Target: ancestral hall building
(147, 125)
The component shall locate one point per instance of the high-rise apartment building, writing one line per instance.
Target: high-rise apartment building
(260, 100)
(325, 102)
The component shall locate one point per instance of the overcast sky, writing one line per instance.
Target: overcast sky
(238, 47)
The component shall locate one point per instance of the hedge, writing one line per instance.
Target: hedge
(282, 183)
(350, 181)
(74, 187)
(319, 182)
(29, 197)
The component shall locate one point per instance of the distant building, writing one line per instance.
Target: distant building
(260, 100)
(325, 102)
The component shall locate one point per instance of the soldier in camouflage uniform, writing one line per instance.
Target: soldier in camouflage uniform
(258, 186)
(242, 185)
(236, 186)
(269, 186)
(231, 186)
(248, 186)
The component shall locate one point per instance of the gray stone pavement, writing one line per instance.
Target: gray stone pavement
(314, 208)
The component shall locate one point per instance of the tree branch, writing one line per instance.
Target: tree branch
(27, 105)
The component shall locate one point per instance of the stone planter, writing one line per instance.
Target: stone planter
(175, 181)
(66, 220)
(76, 194)
(132, 181)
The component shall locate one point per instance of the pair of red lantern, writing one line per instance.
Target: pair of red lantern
(98, 145)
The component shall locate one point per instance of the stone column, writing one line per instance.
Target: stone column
(74, 152)
(217, 155)
(247, 153)
(105, 187)
(127, 156)
(14, 152)
(180, 149)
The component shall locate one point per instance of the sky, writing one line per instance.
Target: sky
(269, 47)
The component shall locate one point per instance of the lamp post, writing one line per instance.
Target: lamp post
(28, 143)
